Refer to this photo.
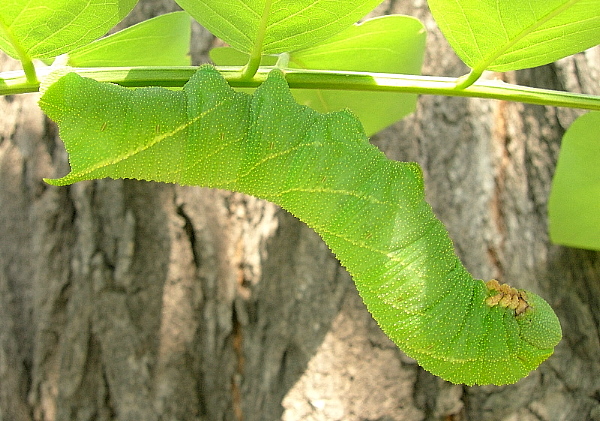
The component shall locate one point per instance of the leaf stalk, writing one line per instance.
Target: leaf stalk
(26, 61)
(250, 69)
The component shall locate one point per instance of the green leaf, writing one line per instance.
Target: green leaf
(276, 26)
(574, 203)
(160, 41)
(369, 210)
(47, 28)
(228, 56)
(516, 34)
(388, 44)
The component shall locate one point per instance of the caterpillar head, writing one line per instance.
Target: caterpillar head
(538, 323)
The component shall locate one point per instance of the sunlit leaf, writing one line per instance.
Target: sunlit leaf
(160, 41)
(279, 25)
(369, 210)
(48, 28)
(515, 34)
(389, 44)
(574, 204)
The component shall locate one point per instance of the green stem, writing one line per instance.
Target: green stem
(15, 82)
(251, 67)
(468, 79)
(26, 61)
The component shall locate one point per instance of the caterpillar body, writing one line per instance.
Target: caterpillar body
(369, 210)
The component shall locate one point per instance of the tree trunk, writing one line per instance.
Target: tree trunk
(126, 300)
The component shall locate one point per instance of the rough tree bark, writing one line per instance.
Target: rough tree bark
(123, 300)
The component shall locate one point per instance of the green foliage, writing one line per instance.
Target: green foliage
(160, 41)
(276, 26)
(516, 34)
(48, 28)
(369, 210)
(388, 44)
(574, 204)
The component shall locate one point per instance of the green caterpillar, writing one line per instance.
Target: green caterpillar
(369, 210)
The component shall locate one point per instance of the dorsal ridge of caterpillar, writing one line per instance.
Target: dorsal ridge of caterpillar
(507, 297)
